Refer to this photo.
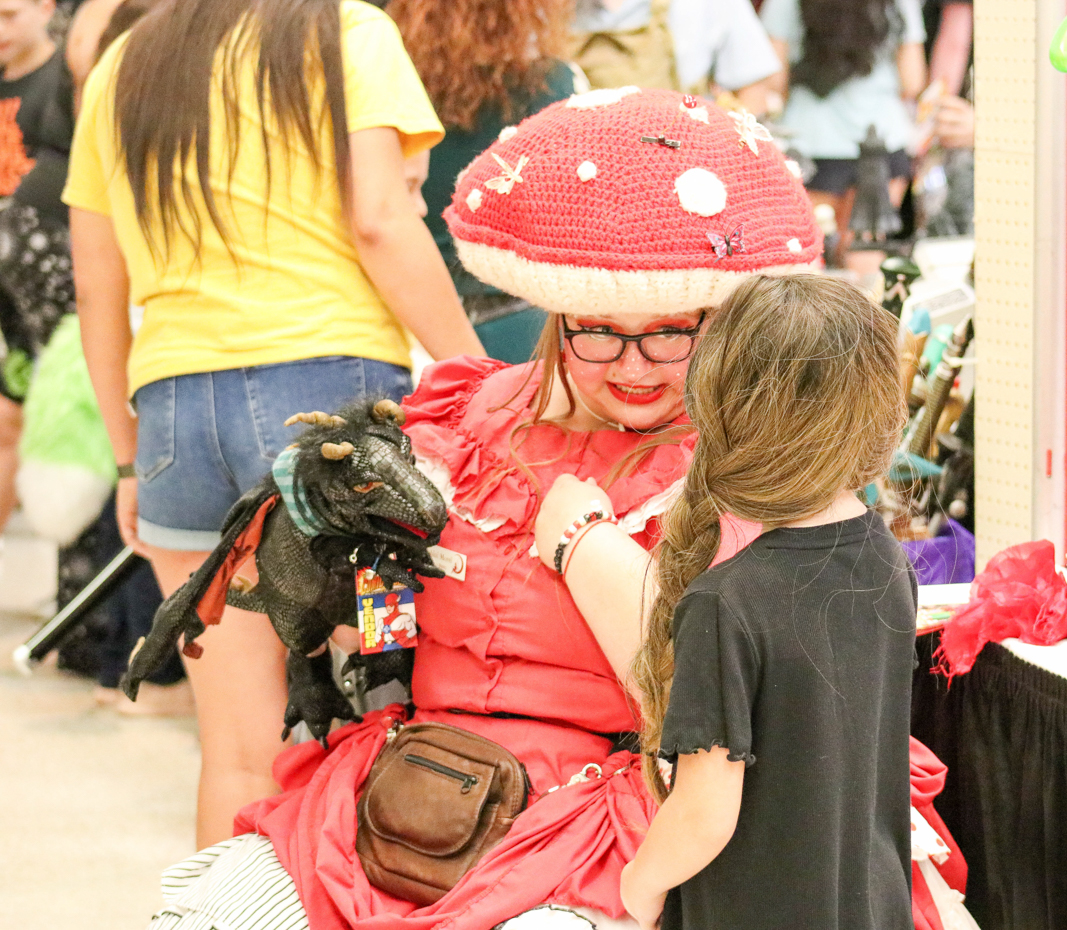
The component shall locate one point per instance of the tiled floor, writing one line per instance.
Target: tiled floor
(92, 804)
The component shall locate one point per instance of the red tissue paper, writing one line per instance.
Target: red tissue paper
(1019, 594)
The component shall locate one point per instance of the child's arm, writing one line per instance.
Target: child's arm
(911, 66)
(692, 827)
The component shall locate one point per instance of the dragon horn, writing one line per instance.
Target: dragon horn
(316, 418)
(388, 410)
(337, 451)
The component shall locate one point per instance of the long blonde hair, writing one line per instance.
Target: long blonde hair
(796, 395)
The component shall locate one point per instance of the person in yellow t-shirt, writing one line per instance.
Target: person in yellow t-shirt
(238, 170)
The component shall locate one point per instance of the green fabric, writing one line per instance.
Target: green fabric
(458, 149)
(294, 495)
(61, 420)
(512, 338)
(16, 371)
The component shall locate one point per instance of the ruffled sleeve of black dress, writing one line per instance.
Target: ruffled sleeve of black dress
(716, 678)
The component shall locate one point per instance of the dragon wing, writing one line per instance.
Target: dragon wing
(179, 613)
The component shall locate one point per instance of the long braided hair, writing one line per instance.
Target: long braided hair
(796, 395)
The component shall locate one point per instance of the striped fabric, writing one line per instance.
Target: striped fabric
(238, 884)
(306, 520)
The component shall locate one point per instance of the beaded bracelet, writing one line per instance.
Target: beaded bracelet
(594, 516)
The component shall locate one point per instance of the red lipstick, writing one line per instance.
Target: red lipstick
(642, 398)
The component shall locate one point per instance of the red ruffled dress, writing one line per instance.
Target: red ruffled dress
(507, 639)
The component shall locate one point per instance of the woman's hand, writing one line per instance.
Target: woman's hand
(955, 123)
(568, 499)
(126, 512)
(643, 906)
(607, 576)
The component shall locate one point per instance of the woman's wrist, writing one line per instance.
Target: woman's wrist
(126, 470)
(597, 513)
(572, 548)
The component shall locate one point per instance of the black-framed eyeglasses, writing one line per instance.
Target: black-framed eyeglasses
(663, 347)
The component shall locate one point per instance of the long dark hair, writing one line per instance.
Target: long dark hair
(122, 20)
(842, 39)
(163, 91)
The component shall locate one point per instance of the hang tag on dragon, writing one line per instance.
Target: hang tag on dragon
(386, 616)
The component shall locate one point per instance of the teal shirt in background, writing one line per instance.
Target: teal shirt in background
(459, 148)
(833, 126)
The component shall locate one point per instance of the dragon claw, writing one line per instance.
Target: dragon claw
(241, 585)
(314, 697)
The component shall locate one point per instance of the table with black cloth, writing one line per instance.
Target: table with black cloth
(1002, 731)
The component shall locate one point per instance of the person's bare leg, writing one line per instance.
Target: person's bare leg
(898, 187)
(868, 261)
(10, 430)
(842, 204)
(239, 685)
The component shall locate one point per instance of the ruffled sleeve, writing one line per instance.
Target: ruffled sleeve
(716, 676)
(461, 421)
(465, 422)
(445, 391)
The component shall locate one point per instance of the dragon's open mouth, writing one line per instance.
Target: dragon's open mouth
(406, 527)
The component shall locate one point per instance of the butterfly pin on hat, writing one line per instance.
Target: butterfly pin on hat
(631, 201)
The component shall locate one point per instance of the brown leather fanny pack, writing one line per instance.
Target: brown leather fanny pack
(436, 800)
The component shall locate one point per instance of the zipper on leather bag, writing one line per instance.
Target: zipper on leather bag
(469, 781)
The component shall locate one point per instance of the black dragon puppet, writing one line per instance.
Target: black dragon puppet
(346, 496)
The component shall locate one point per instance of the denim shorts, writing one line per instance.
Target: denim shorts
(205, 439)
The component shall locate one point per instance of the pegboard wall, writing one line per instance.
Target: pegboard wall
(1019, 275)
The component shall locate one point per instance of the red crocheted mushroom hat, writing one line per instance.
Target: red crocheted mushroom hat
(631, 200)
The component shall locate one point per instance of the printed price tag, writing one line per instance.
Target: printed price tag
(453, 564)
(386, 616)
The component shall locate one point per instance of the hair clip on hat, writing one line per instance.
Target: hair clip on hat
(636, 239)
(725, 246)
(662, 140)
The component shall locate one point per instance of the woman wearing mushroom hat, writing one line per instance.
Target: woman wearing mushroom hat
(629, 215)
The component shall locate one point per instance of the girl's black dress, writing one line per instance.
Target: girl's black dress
(797, 656)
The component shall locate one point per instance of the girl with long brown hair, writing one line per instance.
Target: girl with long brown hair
(487, 65)
(238, 170)
(786, 668)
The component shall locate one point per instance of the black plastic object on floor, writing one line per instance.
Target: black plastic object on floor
(108, 597)
(73, 617)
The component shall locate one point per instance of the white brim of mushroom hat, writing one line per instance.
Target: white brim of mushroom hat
(631, 201)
